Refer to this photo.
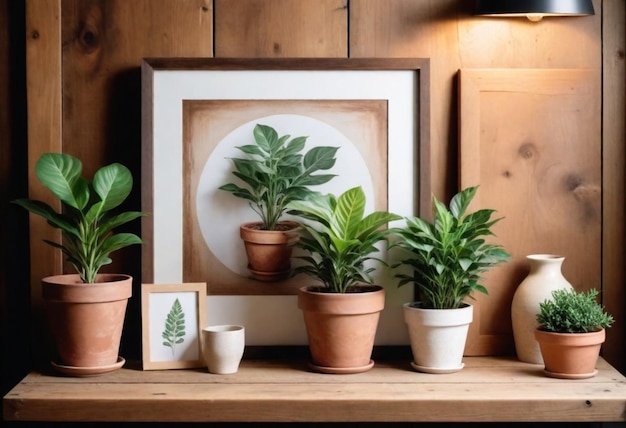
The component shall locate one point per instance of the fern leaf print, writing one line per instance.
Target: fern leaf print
(174, 333)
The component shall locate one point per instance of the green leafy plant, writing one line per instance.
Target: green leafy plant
(174, 333)
(85, 219)
(448, 256)
(276, 172)
(573, 312)
(340, 239)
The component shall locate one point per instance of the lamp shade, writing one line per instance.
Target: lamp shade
(534, 7)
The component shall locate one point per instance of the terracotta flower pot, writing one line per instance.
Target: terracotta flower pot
(570, 355)
(341, 328)
(86, 320)
(269, 251)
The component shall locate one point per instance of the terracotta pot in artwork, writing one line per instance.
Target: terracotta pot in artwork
(86, 321)
(570, 355)
(269, 251)
(341, 327)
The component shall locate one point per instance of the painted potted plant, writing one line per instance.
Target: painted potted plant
(275, 171)
(445, 259)
(85, 310)
(341, 313)
(572, 328)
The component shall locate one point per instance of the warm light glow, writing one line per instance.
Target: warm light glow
(534, 17)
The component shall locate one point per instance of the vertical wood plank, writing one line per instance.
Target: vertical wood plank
(614, 178)
(281, 28)
(43, 69)
(43, 80)
(104, 42)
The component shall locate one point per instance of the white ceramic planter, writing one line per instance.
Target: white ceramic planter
(437, 337)
(222, 348)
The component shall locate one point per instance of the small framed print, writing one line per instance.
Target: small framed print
(172, 317)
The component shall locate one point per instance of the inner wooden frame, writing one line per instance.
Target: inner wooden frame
(155, 75)
(537, 159)
(213, 250)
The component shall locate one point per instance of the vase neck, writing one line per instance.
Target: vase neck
(546, 265)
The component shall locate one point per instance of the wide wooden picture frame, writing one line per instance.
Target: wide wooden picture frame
(191, 110)
(173, 316)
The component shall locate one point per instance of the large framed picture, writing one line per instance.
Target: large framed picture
(197, 111)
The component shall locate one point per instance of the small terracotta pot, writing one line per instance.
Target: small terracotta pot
(341, 328)
(570, 355)
(86, 320)
(269, 251)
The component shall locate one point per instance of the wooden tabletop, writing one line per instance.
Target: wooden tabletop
(488, 389)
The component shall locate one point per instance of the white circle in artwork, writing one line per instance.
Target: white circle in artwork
(220, 213)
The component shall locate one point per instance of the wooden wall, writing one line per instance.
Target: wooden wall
(83, 61)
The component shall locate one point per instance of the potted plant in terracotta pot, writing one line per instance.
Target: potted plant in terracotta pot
(341, 313)
(85, 310)
(572, 328)
(275, 172)
(445, 260)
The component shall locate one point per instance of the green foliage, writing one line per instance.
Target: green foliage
(85, 219)
(571, 312)
(341, 239)
(275, 172)
(448, 256)
(174, 333)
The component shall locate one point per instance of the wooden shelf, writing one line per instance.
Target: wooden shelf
(488, 389)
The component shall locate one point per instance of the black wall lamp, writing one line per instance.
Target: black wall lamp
(534, 10)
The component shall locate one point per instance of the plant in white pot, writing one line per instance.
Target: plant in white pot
(275, 171)
(572, 328)
(85, 310)
(341, 313)
(445, 259)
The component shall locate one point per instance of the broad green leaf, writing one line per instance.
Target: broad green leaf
(116, 221)
(61, 173)
(348, 212)
(320, 158)
(113, 183)
(44, 210)
(266, 137)
(118, 241)
(460, 202)
(294, 147)
(251, 149)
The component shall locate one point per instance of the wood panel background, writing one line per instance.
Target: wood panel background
(517, 128)
(83, 61)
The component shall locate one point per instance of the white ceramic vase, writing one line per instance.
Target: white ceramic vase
(222, 348)
(437, 337)
(544, 277)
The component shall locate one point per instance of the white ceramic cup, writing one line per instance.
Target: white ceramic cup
(222, 347)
